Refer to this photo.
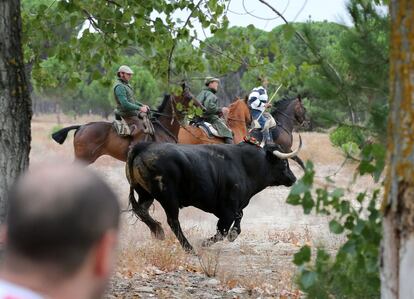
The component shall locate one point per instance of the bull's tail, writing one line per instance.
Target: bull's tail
(60, 136)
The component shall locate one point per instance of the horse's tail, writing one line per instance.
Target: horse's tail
(60, 136)
(133, 201)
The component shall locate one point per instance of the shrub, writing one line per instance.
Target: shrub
(353, 271)
(344, 134)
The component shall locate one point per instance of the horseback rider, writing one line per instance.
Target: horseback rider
(130, 110)
(258, 103)
(208, 99)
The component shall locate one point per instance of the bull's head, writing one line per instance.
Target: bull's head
(281, 172)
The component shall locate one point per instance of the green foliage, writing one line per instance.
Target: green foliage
(96, 35)
(344, 134)
(353, 272)
(55, 129)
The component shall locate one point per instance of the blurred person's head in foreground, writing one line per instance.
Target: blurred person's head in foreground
(61, 233)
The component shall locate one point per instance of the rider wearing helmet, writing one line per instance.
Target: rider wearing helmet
(258, 101)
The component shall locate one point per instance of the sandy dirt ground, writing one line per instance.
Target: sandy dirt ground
(257, 265)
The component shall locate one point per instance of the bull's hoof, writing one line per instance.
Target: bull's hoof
(233, 234)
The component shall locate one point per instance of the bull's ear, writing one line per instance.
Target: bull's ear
(269, 148)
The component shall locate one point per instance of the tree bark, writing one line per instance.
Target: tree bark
(397, 260)
(15, 104)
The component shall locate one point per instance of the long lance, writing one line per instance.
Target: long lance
(271, 99)
(256, 122)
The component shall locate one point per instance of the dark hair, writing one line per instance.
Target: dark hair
(57, 223)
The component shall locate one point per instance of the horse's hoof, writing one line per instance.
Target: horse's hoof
(207, 243)
(159, 234)
(189, 249)
(233, 234)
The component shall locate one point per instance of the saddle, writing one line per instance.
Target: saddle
(270, 131)
(208, 128)
(270, 122)
(121, 127)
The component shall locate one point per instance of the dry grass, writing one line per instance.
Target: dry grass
(209, 260)
(164, 255)
(318, 148)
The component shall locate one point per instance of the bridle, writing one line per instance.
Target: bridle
(289, 117)
(173, 116)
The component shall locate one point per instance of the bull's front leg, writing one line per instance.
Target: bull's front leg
(235, 230)
(223, 225)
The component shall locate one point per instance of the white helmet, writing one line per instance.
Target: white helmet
(125, 69)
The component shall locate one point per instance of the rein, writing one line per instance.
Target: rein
(173, 117)
(284, 114)
(165, 129)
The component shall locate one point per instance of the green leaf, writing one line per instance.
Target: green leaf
(299, 188)
(308, 279)
(288, 31)
(179, 106)
(307, 203)
(302, 256)
(335, 227)
(293, 199)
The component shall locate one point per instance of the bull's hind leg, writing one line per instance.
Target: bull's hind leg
(174, 223)
(235, 230)
(141, 209)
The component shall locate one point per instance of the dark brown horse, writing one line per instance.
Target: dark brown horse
(288, 113)
(96, 139)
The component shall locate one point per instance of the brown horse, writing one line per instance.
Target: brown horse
(288, 113)
(96, 139)
(238, 119)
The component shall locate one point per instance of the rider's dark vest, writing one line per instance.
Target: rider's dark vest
(130, 98)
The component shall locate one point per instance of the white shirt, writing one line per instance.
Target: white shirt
(10, 290)
(258, 98)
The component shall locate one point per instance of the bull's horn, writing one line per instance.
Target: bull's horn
(288, 155)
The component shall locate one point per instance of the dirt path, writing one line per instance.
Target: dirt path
(257, 264)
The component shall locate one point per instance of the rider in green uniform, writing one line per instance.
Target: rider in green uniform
(127, 107)
(208, 99)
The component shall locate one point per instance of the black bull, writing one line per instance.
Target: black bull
(218, 179)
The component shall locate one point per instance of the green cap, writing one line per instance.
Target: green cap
(211, 79)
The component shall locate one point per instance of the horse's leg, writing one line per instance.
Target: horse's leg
(141, 209)
(235, 230)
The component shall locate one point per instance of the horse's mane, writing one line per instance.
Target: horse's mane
(283, 103)
(164, 102)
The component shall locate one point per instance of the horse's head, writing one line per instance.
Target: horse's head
(177, 105)
(300, 110)
(239, 118)
(290, 108)
(240, 110)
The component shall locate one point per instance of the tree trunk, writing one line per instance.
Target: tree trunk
(397, 261)
(15, 104)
